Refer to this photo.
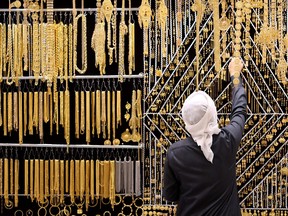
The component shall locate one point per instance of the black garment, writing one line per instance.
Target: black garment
(198, 186)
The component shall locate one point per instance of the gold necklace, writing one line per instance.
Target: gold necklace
(88, 124)
(20, 117)
(4, 113)
(131, 55)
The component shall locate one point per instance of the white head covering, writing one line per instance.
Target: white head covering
(200, 117)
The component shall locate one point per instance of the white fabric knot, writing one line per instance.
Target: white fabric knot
(200, 118)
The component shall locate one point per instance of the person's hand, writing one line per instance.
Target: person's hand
(235, 67)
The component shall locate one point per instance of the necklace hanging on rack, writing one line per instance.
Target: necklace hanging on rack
(162, 15)
(122, 33)
(36, 50)
(144, 18)
(83, 38)
(131, 54)
(99, 40)
(107, 10)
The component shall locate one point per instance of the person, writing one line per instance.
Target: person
(200, 171)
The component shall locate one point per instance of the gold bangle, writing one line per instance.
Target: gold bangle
(15, 213)
(120, 199)
(126, 200)
(138, 199)
(29, 212)
(137, 211)
(105, 203)
(9, 205)
(106, 213)
(45, 211)
(127, 206)
(50, 210)
(44, 204)
(65, 209)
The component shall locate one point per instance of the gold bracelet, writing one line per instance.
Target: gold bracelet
(50, 210)
(141, 202)
(120, 199)
(39, 211)
(139, 209)
(123, 210)
(20, 211)
(106, 213)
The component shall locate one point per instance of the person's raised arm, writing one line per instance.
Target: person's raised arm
(239, 102)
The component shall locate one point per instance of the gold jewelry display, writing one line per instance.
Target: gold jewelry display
(162, 15)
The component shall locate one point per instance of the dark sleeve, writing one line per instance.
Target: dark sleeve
(171, 185)
(238, 114)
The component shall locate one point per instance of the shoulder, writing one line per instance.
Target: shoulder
(180, 144)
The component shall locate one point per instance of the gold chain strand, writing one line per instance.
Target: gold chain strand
(122, 33)
(25, 113)
(114, 27)
(43, 49)
(4, 48)
(9, 54)
(32, 179)
(131, 48)
(1, 51)
(77, 178)
(1, 177)
(46, 179)
(66, 176)
(60, 50)
(109, 115)
(82, 114)
(1, 119)
(70, 53)
(46, 107)
(50, 110)
(103, 113)
(20, 103)
(67, 118)
(87, 184)
(61, 108)
(216, 21)
(16, 169)
(25, 41)
(113, 115)
(10, 113)
(139, 108)
(82, 179)
(40, 118)
(4, 113)
(56, 112)
(41, 181)
(36, 180)
(118, 116)
(133, 119)
(92, 188)
(97, 172)
(15, 111)
(36, 110)
(77, 114)
(98, 113)
(51, 180)
(65, 50)
(83, 40)
(106, 179)
(62, 180)
(26, 178)
(11, 176)
(112, 183)
(88, 124)
(72, 181)
(93, 97)
(101, 183)
(56, 178)
(30, 122)
(6, 181)
(35, 47)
